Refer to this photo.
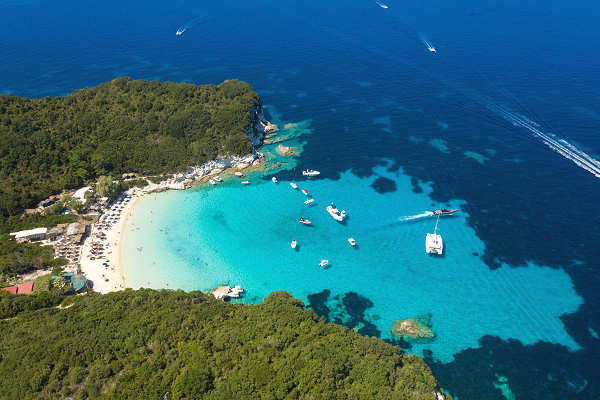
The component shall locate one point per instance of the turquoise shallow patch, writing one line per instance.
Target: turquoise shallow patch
(240, 235)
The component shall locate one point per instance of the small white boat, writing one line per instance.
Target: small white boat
(293, 185)
(431, 49)
(238, 174)
(309, 202)
(180, 31)
(433, 241)
(293, 244)
(310, 172)
(245, 182)
(274, 180)
(304, 221)
(218, 178)
(352, 242)
(212, 181)
(305, 192)
(324, 263)
(335, 213)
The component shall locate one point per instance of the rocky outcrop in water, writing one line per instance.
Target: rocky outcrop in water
(414, 329)
(285, 151)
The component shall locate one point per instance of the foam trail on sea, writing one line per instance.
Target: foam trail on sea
(416, 216)
(188, 25)
(560, 146)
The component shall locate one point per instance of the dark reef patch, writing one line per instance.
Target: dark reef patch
(539, 371)
(384, 185)
(348, 310)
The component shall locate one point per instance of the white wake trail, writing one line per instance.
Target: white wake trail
(417, 216)
(560, 146)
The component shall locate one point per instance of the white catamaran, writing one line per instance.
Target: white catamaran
(433, 242)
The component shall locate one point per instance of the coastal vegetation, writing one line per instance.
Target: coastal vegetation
(51, 144)
(175, 345)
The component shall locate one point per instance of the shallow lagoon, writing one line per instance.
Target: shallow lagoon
(240, 235)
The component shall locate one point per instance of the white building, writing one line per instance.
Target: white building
(31, 234)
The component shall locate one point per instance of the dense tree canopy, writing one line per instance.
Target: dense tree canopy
(51, 144)
(174, 345)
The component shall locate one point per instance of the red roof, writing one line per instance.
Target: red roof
(11, 289)
(25, 288)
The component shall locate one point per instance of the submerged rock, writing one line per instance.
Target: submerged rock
(414, 329)
(285, 150)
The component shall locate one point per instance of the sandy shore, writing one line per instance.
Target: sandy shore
(94, 270)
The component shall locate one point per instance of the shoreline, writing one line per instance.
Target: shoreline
(94, 269)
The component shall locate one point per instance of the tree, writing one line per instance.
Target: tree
(106, 187)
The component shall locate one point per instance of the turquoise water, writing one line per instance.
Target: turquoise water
(239, 235)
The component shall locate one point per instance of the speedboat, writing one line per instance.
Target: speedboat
(335, 213)
(212, 181)
(245, 182)
(293, 244)
(180, 31)
(352, 242)
(274, 179)
(431, 49)
(293, 185)
(444, 211)
(310, 172)
(305, 192)
(309, 202)
(323, 263)
(218, 178)
(304, 221)
(433, 241)
(381, 4)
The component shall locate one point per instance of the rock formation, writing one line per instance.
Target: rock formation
(414, 329)
(285, 150)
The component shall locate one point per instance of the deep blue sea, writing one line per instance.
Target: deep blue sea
(502, 122)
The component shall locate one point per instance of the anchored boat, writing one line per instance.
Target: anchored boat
(352, 242)
(293, 185)
(310, 172)
(335, 213)
(304, 221)
(309, 202)
(305, 192)
(274, 180)
(293, 244)
(433, 241)
(324, 263)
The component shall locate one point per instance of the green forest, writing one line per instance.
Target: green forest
(51, 144)
(168, 344)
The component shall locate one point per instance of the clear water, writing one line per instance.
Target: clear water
(395, 130)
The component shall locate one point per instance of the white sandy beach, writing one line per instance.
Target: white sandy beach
(94, 270)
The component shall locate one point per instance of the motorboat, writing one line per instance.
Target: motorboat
(238, 174)
(309, 202)
(293, 244)
(310, 172)
(274, 180)
(324, 263)
(218, 178)
(305, 192)
(212, 181)
(352, 242)
(381, 4)
(304, 221)
(444, 211)
(335, 213)
(293, 185)
(431, 49)
(433, 241)
(245, 182)
(180, 31)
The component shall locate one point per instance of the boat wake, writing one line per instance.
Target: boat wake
(560, 146)
(188, 25)
(380, 4)
(416, 216)
(428, 44)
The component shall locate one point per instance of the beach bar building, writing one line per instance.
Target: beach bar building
(31, 234)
